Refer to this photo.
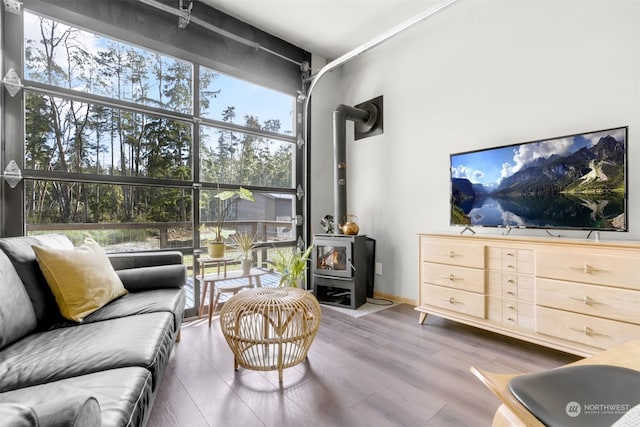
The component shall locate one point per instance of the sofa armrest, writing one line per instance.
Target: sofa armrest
(17, 415)
(70, 411)
(158, 277)
(74, 411)
(124, 261)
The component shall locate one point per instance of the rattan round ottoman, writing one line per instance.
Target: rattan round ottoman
(270, 328)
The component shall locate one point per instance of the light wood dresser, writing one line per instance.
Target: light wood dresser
(576, 296)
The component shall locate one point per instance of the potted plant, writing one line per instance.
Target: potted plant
(245, 242)
(216, 245)
(291, 266)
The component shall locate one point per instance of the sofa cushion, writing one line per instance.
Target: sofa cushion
(153, 301)
(144, 340)
(124, 395)
(17, 317)
(19, 251)
(82, 279)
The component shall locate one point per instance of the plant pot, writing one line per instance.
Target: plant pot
(215, 249)
(246, 265)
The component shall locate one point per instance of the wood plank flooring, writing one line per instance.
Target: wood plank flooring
(383, 369)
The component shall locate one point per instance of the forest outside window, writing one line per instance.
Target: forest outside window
(112, 131)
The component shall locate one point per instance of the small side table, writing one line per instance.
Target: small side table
(270, 328)
(217, 281)
(205, 261)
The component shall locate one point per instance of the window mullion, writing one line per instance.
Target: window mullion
(104, 101)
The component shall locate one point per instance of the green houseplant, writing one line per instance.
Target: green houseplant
(225, 200)
(245, 243)
(291, 266)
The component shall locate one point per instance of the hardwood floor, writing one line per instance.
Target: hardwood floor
(383, 369)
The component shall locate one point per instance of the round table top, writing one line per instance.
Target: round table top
(265, 299)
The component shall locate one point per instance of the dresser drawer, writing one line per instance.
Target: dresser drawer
(467, 279)
(512, 286)
(526, 316)
(593, 300)
(494, 309)
(451, 299)
(517, 261)
(444, 251)
(511, 314)
(510, 260)
(593, 331)
(610, 267)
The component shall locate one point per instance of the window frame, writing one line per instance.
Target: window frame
(12, 123)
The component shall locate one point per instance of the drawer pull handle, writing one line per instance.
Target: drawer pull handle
(510, 266)
(511, 281)
(450, 254)
(511, 319)
(451, 300)
(511, 307)
(510, 254)
(587, 269)
(511, 293)
(588, 331)
(450, 277)
(586, 300)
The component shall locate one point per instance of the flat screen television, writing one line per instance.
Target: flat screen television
(570, 182)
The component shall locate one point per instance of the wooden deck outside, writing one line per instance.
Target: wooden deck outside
(269, 280)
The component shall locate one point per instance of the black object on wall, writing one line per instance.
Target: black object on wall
(367, 117)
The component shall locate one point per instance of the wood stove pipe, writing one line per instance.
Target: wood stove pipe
(340, 117)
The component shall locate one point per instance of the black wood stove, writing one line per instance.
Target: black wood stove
(343, 269)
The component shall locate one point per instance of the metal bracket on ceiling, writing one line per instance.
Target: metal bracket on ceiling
(12, 6)
(12, 82)
(183, 21)
(12, 174)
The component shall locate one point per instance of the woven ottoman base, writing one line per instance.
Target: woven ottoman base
(270, 329)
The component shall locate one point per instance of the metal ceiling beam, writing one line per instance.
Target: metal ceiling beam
(182, 14)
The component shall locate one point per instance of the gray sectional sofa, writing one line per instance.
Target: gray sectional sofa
(104, 370)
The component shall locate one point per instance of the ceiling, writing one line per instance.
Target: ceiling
(329, 28)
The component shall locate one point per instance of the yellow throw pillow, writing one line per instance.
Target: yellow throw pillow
(82, 279)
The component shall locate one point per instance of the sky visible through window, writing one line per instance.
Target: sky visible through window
(248, 99)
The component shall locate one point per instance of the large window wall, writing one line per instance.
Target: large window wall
(129, 144)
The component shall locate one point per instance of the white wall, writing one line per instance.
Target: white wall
(482, 73)
(324, 99)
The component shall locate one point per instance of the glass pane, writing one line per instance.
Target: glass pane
(119, 217)
(73, 136)
(68, 57)
(242, 103)
(243, 159)
(331, 257)
(269, 217)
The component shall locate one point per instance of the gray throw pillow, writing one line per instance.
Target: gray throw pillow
(17, 317)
